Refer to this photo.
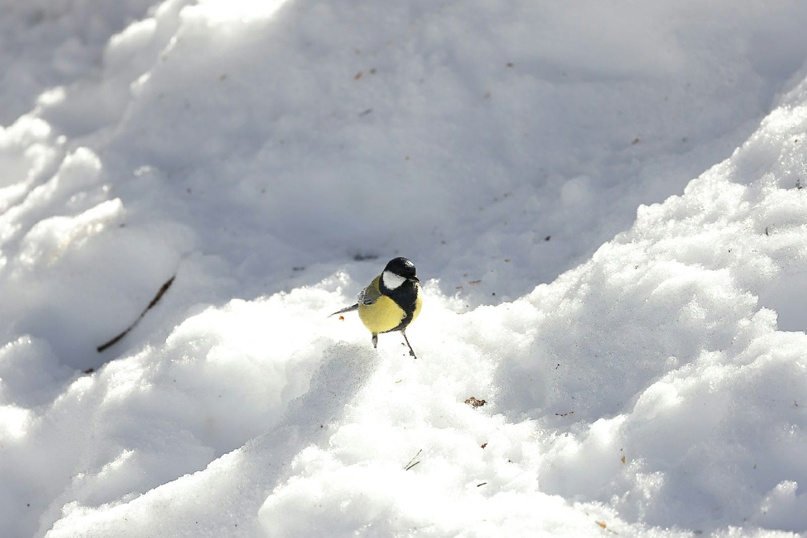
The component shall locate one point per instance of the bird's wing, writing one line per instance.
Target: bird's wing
(369, 295)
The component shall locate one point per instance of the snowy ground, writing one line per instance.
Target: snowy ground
(604, 201)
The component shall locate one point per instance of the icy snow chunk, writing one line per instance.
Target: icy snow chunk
(784, 508)
(25, 154)
(51, 237)
(30, 373)
(14, 422)
(124, 46)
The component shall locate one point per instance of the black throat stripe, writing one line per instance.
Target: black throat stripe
(405, 296)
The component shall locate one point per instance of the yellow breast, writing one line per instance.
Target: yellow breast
(385, 315)
(381, 316)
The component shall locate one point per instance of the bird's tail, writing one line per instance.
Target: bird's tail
(348, 309)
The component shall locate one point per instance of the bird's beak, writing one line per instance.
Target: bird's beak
(414, 279)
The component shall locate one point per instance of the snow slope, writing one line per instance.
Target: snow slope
(637, 335)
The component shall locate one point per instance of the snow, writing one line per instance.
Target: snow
(605, 203)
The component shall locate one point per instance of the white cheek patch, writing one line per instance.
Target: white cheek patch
(391, 280)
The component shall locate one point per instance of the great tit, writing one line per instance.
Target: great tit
(391, 302)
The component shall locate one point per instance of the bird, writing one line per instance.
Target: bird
(391, 301)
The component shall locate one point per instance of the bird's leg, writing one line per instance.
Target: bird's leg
(375, 341)
(411, 351)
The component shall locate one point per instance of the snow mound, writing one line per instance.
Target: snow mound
(585, 367)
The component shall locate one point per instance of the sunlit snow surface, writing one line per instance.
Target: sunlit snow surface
(606, 203)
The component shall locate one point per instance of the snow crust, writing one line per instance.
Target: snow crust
(605, 203)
